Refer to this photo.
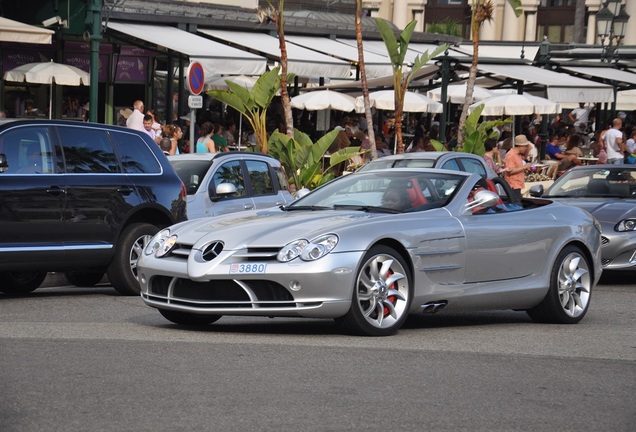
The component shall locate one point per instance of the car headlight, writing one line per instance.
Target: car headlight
(161, 243)
(626, 225)
(308, 250)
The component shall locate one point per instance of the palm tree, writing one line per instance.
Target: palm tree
(363, 79)
(276, 16)
(401, 77)
(481, 11)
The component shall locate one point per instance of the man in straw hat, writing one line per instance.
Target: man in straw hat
(515, 166)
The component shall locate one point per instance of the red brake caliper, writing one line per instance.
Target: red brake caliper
(390, 298)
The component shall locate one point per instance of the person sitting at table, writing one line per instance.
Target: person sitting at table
(572, 146)
(566, 161)
(219, 140)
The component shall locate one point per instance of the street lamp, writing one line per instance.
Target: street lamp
(611, 23)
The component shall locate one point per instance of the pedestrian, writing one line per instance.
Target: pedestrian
(515, 166)
(148, 130)
(136, 119)
(614, 144)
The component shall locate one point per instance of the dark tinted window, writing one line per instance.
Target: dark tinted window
(473, 166)
(28, 151)
(191, 173)
(87, 150)
(451, 165)
(230, 172)
(260, 178)
(134, 154)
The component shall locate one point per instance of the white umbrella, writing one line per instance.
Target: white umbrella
(48, 73)
(324, 99)
(456, 93)
(413, 102)
(516, 104)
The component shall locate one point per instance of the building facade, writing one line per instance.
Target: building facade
(553, 19)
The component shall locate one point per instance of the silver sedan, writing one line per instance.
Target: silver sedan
(370, 248)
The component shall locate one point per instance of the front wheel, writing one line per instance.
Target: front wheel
(382, 294)
(122, 271)
(84, 279)
(185, 318)
(568, 297)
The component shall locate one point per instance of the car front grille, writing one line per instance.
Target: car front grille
(228, 294)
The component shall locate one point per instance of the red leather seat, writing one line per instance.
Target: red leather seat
(415, 194)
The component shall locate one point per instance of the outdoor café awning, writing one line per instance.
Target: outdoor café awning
(375, 65)
(301, 61)
(15, 31)
(216, 58)
(560, 87)
(620, 77)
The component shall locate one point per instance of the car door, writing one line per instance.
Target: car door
(99, 194)
(232, 172)
(32, 196)
(263, 184)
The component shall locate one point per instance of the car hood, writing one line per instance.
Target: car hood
(270, 227)
(604, 209)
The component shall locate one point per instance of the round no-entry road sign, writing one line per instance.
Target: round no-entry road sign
(196, 78)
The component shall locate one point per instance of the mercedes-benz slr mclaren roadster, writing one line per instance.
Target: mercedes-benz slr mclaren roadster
(370, 248)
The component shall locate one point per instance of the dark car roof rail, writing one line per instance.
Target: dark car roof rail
(222, 155)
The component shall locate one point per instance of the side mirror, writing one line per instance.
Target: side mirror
(483, 198)
(4, 163)
(223, 190)
(536, 191)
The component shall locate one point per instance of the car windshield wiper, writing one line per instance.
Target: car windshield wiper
(366, 208)
(306, 207)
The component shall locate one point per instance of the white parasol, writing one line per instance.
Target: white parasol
(413, 102)
(456, 93)
(48, 73)
(516, 104)
(324, 99)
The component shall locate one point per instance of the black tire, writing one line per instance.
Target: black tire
(570, 291)
(122, 271)
(21, 282)
(191, 319)
(382, 294)
(84, 279)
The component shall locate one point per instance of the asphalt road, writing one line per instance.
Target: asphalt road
(79, 359)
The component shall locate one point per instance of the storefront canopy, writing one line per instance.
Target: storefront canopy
(216, 58)
(14, 31)
(301, 61)
(560, 87)
(616, 76)
(375, 65)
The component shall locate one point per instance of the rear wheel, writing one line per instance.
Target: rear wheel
(21, 282)
(122, 272)
(568, 297)
(382, 294)
(84, 279)
(185, 318)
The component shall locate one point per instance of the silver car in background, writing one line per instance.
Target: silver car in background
(230, 182)
(608, 192)
(370, 248)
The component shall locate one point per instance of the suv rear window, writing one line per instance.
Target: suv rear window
(134, 154)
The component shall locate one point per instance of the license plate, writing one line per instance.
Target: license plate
(252, 268)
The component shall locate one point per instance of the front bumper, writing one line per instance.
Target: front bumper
(318, 289)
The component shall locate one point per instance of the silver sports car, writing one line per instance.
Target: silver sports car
(608, 192)
(370, 248)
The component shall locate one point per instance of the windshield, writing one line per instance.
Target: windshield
(619, 182)
(381, 163)
(191, 173)
(394, 191)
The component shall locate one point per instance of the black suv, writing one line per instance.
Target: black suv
(83, 199)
